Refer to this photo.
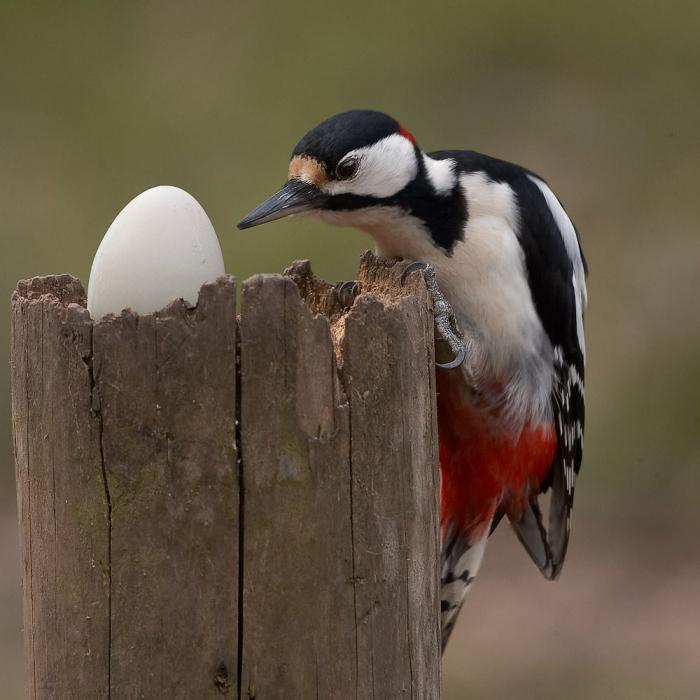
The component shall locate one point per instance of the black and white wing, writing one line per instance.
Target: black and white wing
(557, 277)
(556, 271)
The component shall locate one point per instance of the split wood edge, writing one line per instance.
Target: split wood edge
(348, 394)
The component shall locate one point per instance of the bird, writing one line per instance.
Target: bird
(502, 256)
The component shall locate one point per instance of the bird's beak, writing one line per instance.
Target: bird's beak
(295, 197)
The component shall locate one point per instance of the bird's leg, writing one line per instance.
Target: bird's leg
(447, 331)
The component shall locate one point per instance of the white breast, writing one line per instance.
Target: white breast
(486, 283)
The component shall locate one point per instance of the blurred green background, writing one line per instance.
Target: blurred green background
(100, 101)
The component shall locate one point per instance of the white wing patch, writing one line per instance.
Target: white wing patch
(568, 234)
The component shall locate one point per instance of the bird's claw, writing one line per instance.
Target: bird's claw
(446, 329)
(412, 267)
(346, 292)
(457, 362)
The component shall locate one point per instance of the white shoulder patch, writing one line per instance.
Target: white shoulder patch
(441, 174)
(568, 234)
(489, 199)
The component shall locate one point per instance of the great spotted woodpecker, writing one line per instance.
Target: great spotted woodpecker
(507, 258)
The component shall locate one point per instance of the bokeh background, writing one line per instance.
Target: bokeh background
(99, 101)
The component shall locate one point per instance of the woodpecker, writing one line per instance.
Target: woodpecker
(507, 257)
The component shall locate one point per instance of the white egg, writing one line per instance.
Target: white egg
(160, 247)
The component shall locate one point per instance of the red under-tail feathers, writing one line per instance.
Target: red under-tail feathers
(482, 469)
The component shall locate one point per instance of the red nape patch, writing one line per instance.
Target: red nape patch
(481, 468)
(407, 134)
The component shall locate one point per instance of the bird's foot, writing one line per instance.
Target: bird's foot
(447, 332)
(345, 293)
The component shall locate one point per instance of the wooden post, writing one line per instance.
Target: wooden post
(202, 518)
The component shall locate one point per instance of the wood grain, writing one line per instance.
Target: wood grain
(170, 551)
(167, 389)
(298, 631)
(340, 595)
(61, 497)
(388, 371)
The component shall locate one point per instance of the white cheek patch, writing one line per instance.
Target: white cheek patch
(386, 167)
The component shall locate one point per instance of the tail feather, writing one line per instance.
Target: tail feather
(532, 535)
(460, 562)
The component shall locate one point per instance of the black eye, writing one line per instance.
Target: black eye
(347, 168)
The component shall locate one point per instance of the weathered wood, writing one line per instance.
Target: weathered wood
(167, 390)
(340, 594)
(60, 493)
(298, 610)
(389, 376)
(135, 506)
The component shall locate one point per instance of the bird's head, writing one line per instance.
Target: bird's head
(358, 168)
(351, 161)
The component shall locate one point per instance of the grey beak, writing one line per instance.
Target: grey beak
(294, 198)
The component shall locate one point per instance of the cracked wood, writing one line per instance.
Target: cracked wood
(340, 594)
(167, 391)
(132, 519)
(62, 505)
